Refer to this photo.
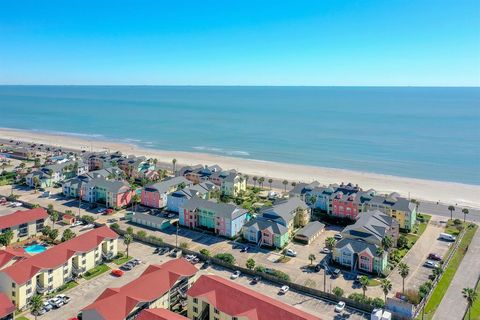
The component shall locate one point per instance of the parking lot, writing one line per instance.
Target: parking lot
(87, 291)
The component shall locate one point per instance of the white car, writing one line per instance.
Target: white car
(338, 236)
(291, 253)
(284, 289)
(101, 210)
(16, 204)
(431, 264)
(235, 275)
(340, 306)
(76, 224)
(326, 250)
(88, 227)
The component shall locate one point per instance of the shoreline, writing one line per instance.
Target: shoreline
(421, 189)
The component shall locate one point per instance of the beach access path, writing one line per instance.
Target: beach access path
(453, 305)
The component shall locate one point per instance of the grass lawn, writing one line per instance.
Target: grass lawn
(21, 318)
(452, 229)
(449, 273)
(69, 285)
(122, 260)
(475, 311)
(373, 282)
(98, 270)
(283, 259)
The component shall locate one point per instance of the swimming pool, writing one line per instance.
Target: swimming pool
(35, 248)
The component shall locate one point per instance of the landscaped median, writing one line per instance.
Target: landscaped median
(448, 274)
(121, 259)
(94, 272)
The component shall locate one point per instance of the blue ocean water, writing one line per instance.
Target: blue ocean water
(431, 133)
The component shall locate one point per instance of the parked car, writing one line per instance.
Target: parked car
(136, 261)
(64, 298)
(206, 264)
(338, 236)
(109, 211)
(76, 224)
(431, 264)
(117, 273)
(235, 275)
(126, 267)
(284, 289)
(326, 250)
(291, 253)
(101, 210)
(244, 249)
(340, 306)
(47, 306)
(434, 256)
(255, 280)
(447, 237)
(112, 220)
(56, 302)
(88, 227)
(171, 215)
(336, 273)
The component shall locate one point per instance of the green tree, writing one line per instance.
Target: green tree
(67, 235)
(402, 242)
(465, 212)
(250, 264)
(205, 252)
(386, 286)
(50, 208)
(174, 163)
(285, 182)
(135, 201)
(88, 219)
(330, 243)
(255, 178)
(470, 295)
(53, 234)
(451, 209)
(364, 283)
(54, 218)
(270, 181)
(36, 304)
(387, 243)
(226, 257)
(36, 183)
(129, 230)
(312, 258)
(141, 233)
(338, 292)
(46, 230)
(403, 271)
(127, 239)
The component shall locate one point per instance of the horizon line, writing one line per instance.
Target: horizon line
(237, 85)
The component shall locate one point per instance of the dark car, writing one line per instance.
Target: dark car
(435, 256)
(244, 249)
(255, 280)
(336, 273)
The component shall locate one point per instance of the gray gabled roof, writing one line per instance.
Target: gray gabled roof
(113, 186)
(284, 208)
(370, 225)
(195, 190)
(266, 224)
(393, 201)
(311, 229)
(225, 210)
(164, 186)
(357, 246)
(150, 218)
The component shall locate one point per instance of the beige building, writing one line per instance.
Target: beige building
(24, 224)
(46, 271)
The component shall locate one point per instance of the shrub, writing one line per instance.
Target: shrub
(457, 222)
(338, 292)
(87, 219)
(402, 242)
(205, 252)
(226, 257)
(260, 269)
(378, 303)
(141, 233)
(412, 296)
(115, 226)
(184, 245)
(425, 288)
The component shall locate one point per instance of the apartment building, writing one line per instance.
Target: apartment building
(46, 271)
(177, 198)
(397, 207)
(159, 286)
(50, 174)
(159, 314)
(7, 308)
(24, 223)
(155, 195)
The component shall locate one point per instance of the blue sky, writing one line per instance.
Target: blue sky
(328, 42)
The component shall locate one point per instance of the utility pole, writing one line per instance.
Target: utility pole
(176, 237)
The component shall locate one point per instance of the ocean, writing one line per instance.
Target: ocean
(429, 133)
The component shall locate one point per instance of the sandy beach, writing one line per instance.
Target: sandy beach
(444, 192)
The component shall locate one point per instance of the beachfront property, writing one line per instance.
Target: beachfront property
(177, 198)
(213, 297)
(399, 208)
(110, 193)
(102, 160)
(159, 286)
(72, 187)
(24, 223)
(231, 182)
(222, 218)
(7, 308)
(46, 176)
(360, 248)
(48, 270)
(155, 195)
(198, 173)
(149, 220)
(275, 225)
(135, 167)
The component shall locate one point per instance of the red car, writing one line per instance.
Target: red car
(117, 273)
(109, 211)
(435, 256)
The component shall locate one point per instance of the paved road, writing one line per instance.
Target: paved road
(441, 209)
(453, 306)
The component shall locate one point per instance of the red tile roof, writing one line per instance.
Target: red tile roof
(239, 301)
(8, 254)
(159, 314)
(19, 217)
(6, 305)
(25, 269)
(155, 281)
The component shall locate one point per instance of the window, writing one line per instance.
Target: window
(29, 290)
(215, 311)
(13, 293)
(195, 300)
(195, 309)
(13, 285)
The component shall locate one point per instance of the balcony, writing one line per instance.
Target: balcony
(77, 271)
(40, 288)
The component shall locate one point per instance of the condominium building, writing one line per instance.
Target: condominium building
(155, 195)
(46, 271)
(24, 223)
(159, 286)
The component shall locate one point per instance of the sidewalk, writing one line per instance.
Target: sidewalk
(453, 305)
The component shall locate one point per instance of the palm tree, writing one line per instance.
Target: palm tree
(451, 209)
(285, 182)
(260, 181)
(54, 218)
(471, 296)
(293, 184)
(387, 243)
(246, 179)
(465, 212)
(403, 270)
(270, 181)
(36, 305)
(36, 183)
(255, 178)
(174, 162)
(127, 239)
(330, 243)
(364, 283)
(386, 286)
(312, 258)
(135, 200)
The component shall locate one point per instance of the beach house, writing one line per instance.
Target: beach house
(198, 173)
(24, 223)
(213, 297)
(51, 269)
(102, 160)
(177, 198)
(159, 286)
(361, 246)
(348, 201)
(231, 182)
(399, 208)
(135, 167)
(223, 219)
(155, 195)
(48, 175)
(110, 193)
(72, 187)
